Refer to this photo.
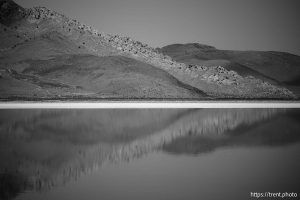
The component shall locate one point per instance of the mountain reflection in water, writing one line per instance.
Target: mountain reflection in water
(42, 150)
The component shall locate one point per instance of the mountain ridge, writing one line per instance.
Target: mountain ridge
(38, 24)
(258, 61)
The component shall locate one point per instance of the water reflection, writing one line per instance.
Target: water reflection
(278, 130)
(41, 150)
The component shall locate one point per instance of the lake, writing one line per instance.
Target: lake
(148, 153)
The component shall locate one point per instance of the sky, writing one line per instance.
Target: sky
(267, 25)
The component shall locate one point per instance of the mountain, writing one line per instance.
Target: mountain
(45, 55)
(278, 68)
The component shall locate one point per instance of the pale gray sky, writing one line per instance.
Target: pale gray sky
(225, 24)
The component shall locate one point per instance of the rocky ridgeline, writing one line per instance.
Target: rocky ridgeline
(125, 45)
(221, 76)
(211, 74)
(92, 40)
(42, 13)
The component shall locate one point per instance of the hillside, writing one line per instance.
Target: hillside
(46, 55)
(278, 68)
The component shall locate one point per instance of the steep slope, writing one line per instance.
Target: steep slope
(40, 34)
(43, 47)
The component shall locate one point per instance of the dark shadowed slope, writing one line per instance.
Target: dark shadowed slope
(10, 12)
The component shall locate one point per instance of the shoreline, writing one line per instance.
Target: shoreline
(147, 104)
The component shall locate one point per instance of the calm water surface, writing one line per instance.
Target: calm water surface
(148, 153)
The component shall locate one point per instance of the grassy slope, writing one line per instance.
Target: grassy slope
(43, 47)
(54, 59)
(55, 73)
